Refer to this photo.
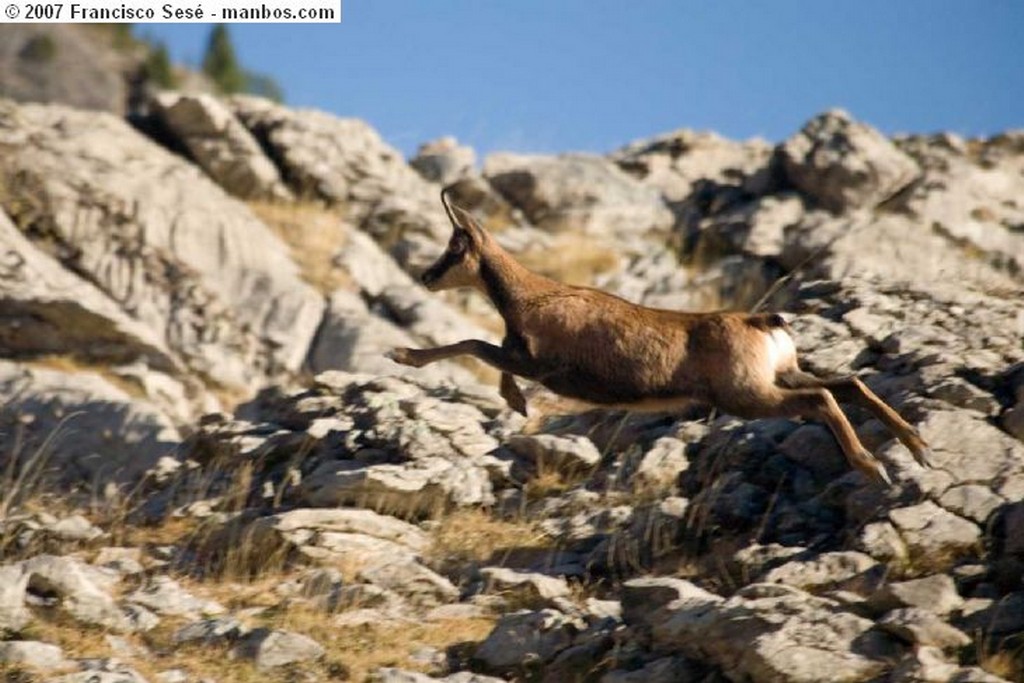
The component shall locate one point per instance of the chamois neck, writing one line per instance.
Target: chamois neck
(506, 282)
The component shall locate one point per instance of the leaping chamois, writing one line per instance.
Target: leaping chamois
(589, 345)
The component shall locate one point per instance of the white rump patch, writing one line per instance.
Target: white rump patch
(781, 350)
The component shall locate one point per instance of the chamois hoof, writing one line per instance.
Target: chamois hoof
(873, 469)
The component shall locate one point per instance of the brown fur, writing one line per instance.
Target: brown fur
(593, 346)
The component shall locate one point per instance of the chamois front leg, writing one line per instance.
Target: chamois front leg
(495, 356)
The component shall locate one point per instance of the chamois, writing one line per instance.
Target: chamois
(589, 345)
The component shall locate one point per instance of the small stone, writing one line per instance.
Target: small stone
(272, 648)
(922, 627)
(936, 594)
(32, 653)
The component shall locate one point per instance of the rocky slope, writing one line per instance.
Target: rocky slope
(211, 472)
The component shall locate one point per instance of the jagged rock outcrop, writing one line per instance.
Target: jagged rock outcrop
(344, 161)
(577, 192)
(220, 145)
(159, 238)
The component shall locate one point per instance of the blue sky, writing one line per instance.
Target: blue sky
(561, 75)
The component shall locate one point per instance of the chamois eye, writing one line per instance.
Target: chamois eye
(457, 245)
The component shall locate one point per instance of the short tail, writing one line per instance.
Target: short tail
(768, 321)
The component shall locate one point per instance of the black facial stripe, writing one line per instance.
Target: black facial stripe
(442, 266)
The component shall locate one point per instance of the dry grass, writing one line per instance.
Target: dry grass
(473, 535)
(71, 365)
(572, 258)
(314, 234)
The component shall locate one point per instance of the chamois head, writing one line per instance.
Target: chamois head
(459, 265)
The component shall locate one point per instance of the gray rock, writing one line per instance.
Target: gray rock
(883, 542)
(577, 192)
(846, 570)
(674, 163)
(82, 426)
(220, 144)
(973, 501)
(994, 617)
(412, 580)
(527, 586)
(642, 598)
(158, 237)
(659, 469)
(209, 631)
(444, 160)
(775, 633)
(526, 640)
(923, 627)
(165, 596)
(272, 648)
(936, 593)
(933, 535)
(32, 653)
(844, 164)
(83, 592)
(392, 675)
(344, 161)
(569, 455)
(664, 670)
(50, 310)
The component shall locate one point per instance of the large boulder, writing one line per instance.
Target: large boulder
(345, 162)
(158, 237)
(844, 164)
(220, 145)
(578, 192)
(77, 426)
(775, 633)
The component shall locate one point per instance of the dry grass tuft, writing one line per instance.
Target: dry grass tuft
(572, 258)
(314, 234)
(473, 535)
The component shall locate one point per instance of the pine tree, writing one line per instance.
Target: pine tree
(221, 64)
(158, 67)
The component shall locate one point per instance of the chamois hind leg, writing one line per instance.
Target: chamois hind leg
(495, 356)
(819, 404)
(853, 390)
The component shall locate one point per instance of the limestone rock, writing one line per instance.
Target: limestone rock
(158, 237)
(344, 161)
(844, 164)
(526, 639)
(164, 595)
(775, 633)
(577, 192)
(529, 586)
(32, 653)
(933, 534)
(116, 437)
(220, 144)
(444, 160)
(572, 455)
(272, 648)
(922, 627)
(412, 580)
(847, 570)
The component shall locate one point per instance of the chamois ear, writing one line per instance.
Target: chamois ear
(461, 219)
(464, 220)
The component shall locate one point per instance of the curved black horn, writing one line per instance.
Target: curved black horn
(448, 207)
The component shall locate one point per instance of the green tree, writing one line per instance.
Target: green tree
(221, 64)
(158, 67)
